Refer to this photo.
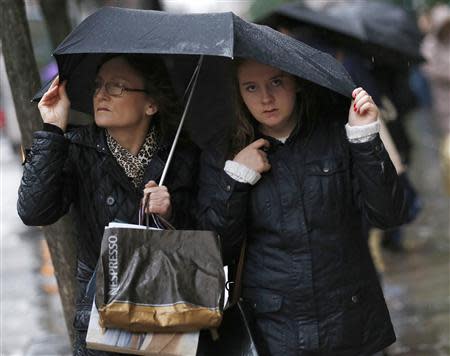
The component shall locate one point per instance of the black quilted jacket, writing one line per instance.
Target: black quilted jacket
(78, 170)
(308, 273)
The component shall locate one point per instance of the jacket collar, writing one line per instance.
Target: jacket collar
(94, 137)
(274, 143)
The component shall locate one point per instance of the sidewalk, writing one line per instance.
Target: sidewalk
(417, 282)
(31, 320)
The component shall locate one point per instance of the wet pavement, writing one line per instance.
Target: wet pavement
(31, 320)
(416, 282)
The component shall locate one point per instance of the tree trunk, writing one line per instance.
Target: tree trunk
(57, 19)
(23, 76)
(150, 5)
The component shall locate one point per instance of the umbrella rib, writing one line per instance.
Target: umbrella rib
(180, 126)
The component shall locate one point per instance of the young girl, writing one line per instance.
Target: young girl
(297, 186)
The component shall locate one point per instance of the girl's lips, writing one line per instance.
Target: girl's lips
(269, 111)
(103, 109)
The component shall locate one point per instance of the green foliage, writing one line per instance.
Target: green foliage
(260, 8)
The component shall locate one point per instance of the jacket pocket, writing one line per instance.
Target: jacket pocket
(269, 324)
(263, 302)
(346, 322)
(326, 192)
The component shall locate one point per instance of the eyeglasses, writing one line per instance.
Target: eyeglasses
(113, 89)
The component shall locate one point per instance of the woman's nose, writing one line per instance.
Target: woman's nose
(266, 96)
(101, 92)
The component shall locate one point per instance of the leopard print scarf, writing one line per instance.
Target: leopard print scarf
(134, 166)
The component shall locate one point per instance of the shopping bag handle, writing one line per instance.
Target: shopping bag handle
(158, 220)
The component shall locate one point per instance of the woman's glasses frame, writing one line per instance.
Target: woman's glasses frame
(113, 89)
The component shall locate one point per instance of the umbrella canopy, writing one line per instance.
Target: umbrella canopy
(298, 12)
(384, 31)
(219, 37)
(386, 25)
(118, 30)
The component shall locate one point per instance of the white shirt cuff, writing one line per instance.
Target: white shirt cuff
(241, 173)
(363, 133)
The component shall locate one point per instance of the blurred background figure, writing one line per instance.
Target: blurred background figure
(436, 50)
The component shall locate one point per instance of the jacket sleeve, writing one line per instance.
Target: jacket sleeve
(222, 204)
(47, 187)
(379, 192)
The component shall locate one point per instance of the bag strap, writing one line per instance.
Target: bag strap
(238, 279)
(159, 221)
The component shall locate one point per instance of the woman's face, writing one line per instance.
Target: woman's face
(270, 96)
(131, 109)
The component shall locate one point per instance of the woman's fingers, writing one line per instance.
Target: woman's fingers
(54, 83)
(364, 110)
(151, 183)
(49, 94)
(361, 95)
(260, 143)
(365, 107)
(55, 92)
(263, 164)
(362, 100)
(266, 167)
(155, 189)
(254, 157)
(356, 92)
(159, 196)
(157, 199)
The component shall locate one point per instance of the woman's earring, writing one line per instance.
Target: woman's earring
(151, 110)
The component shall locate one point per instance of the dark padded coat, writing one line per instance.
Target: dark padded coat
(78, 169)
(308, 274)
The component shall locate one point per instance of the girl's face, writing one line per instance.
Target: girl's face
(270, 96)
(130, 109)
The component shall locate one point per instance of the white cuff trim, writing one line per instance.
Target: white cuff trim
(363, 133)
(241, 173)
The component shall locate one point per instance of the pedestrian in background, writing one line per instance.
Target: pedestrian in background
(436, 50)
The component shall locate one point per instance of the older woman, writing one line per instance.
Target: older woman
(103, 170)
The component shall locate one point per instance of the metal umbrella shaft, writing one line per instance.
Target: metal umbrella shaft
(191, 88)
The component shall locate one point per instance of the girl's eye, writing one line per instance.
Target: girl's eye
(250, 88)
(276, 82)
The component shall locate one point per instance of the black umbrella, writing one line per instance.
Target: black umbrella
(387, 26)
(329, 25)
(181, 39)
(381, 30)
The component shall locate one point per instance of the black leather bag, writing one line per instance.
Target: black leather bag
(235, 333)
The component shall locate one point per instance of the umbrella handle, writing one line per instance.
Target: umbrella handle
(193, 80)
